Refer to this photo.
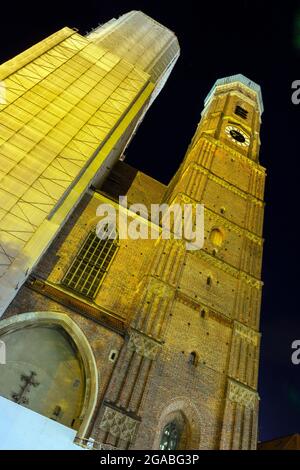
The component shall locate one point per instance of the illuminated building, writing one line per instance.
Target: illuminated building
(134, 344)
(72, 107)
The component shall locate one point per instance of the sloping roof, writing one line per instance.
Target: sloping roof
(291, 442)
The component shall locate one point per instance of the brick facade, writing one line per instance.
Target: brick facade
(183, 325)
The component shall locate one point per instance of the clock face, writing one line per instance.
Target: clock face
(237, 136)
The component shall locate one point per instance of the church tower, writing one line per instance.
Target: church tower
(138, 343)
(196, 314)
(221, 283)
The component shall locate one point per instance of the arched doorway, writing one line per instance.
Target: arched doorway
(50, 368)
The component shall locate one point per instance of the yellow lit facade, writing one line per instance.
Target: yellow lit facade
(71, 108)
(160, 344)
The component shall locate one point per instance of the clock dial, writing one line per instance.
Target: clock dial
(237, 136)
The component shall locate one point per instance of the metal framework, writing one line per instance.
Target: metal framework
(72, 104)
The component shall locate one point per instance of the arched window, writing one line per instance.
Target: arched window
(170, 437)
(193, 358)
(90, 264)
(240, 111)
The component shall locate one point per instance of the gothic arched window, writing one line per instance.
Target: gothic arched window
(170, 437)
(90, 264)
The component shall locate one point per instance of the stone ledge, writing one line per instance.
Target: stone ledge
(78, 305)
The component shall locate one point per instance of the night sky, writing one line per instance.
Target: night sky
(260, 39)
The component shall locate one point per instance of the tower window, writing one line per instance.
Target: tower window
(193, 358)
(90, 265)
(241, 112)
(208, 281)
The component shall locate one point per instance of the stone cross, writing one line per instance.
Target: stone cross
(28, 381)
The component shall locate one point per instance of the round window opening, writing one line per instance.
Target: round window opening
(170, 437)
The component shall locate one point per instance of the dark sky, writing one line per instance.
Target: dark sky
(256, 38)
